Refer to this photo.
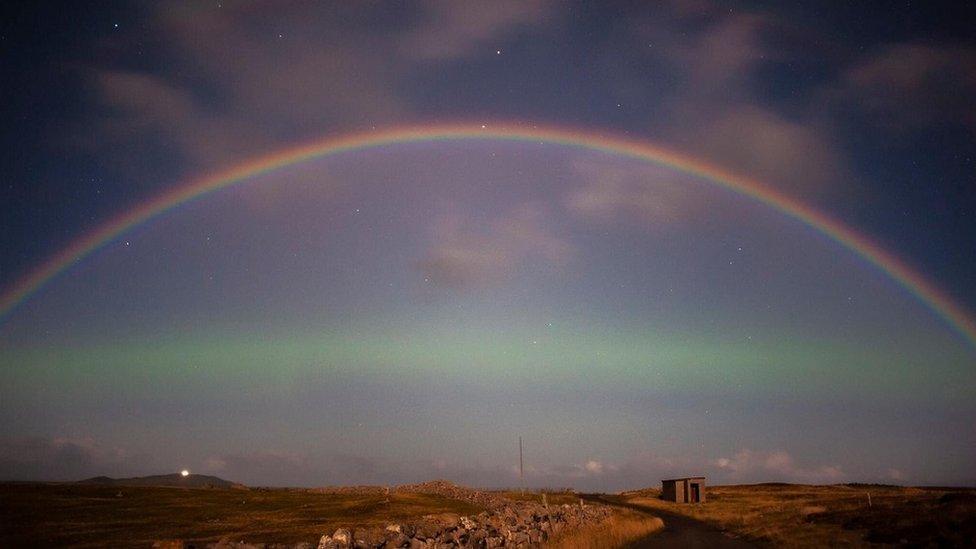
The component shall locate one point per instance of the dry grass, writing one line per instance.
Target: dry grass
(808, 516)
(63, 515)
(622, 528)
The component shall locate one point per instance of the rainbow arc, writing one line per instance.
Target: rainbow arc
(925, 291)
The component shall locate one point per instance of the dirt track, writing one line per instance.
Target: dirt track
(679, 531)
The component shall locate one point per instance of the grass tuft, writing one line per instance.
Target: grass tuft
(622, 528)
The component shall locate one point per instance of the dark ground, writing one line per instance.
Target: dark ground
(682, 531)
(92, 515)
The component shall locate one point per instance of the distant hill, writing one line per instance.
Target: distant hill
(175, 479)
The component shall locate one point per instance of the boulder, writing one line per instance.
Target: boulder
(396, 540)
(342, 537)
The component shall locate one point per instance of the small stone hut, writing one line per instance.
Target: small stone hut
(684, 490)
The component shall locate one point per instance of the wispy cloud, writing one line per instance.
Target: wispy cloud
(719, 111)
(463, 256)
(895, 474)
(448, 30)
(908, 86)
(61, 459)
(243, 79)
(779, 466)
(645, 195)
(801, 157)
(594, 466)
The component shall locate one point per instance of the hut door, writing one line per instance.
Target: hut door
(695, 497)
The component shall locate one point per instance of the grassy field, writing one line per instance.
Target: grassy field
(94, 516)
(791, 515)
(797, 515)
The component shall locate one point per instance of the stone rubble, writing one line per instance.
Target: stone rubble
(505, 523)
(450, 490)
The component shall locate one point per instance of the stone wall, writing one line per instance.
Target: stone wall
(505, 523)
(512, 524)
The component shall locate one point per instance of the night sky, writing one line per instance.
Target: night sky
(405, 311)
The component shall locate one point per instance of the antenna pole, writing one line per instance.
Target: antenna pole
(521, 470)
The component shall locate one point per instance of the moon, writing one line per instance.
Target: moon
(185, 473)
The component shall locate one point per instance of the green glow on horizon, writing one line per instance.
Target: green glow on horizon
(649, 361)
